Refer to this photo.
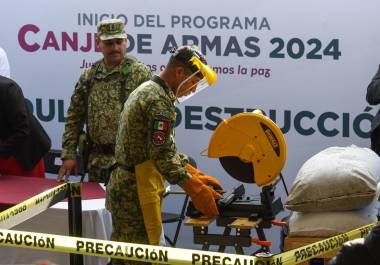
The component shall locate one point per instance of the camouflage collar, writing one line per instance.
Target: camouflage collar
(158, 80)
(104, 71)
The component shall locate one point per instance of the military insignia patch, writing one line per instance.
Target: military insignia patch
(161, 125)
(158, 138)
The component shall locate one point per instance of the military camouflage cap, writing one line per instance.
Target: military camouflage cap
(111, 29)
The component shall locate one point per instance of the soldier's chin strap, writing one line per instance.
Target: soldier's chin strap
(209, 78)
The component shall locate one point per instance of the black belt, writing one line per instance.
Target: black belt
(107, 149)
(125, 167)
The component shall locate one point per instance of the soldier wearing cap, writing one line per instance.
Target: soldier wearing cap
(97, 102)
(146, 153)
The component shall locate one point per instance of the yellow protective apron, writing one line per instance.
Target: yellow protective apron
(150, 188)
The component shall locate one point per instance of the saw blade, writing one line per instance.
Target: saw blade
(238, 169)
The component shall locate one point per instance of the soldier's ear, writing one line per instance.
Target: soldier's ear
(180, 72)
(97, 41)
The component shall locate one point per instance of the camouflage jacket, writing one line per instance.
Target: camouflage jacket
(146, 131)
(104, 103)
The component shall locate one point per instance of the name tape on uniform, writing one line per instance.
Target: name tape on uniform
(32, 206)
(168, 255)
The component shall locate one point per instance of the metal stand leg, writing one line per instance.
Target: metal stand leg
(75, 218)
(180, 221)
(226, 232)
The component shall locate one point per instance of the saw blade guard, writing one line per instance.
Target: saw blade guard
(253, 139)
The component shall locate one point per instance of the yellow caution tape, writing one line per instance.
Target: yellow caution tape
(316, 249)
(168, 255)
(139, 252)
(32, 206)
(119, 250)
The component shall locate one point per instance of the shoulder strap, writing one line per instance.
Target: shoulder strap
(89, 82)
(90, 78)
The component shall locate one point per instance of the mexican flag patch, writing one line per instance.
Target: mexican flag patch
(161, 125)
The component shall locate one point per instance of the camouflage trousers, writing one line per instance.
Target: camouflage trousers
(98, 165)
(127, 218)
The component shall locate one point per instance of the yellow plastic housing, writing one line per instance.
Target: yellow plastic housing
(252, 137)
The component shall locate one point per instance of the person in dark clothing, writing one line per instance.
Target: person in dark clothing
(373, 98)
(23, 141)
(360, 251)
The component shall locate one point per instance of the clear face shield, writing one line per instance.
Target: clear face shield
(186, 90)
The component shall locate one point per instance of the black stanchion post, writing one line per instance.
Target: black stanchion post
(75, 218)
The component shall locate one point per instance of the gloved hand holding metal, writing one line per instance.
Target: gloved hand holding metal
(202, 196)
(205, 179)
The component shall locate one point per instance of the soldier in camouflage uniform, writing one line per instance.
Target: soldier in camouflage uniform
(146, 154)
(97, 101)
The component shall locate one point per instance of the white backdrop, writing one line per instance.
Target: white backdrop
(307, 63)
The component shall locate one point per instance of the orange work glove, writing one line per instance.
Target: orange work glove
(203, 196)
(207, 180)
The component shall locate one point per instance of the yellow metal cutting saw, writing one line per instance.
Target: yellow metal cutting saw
(250, 147)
